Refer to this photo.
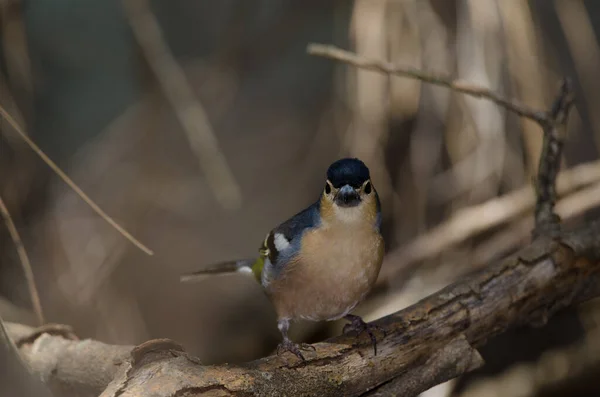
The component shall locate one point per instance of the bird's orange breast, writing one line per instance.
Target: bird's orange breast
(336, 268)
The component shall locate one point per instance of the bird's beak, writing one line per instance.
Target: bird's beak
(347, 196)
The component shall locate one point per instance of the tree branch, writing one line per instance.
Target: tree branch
(454, 359)
(421, 342)
(527, 288)
(329, 51)
(70, 367)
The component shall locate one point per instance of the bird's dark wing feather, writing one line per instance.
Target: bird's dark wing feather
(292, 231)
(293, 227)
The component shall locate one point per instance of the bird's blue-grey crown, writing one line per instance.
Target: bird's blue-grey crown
(348, 171)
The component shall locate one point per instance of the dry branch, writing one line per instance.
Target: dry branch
(70, 367)
(527, 288)
(329, 51)
(421, 340)
(453, 360)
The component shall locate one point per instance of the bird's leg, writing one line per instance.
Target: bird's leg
(287, 344)
(357, 324)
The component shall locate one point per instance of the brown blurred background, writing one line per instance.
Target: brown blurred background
(79, 80)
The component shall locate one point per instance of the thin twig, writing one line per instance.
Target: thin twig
(546, 221)
(329, 51)
(189, 110)
(25, 263)
(71, 184)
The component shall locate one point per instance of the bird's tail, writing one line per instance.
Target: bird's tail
(222, 268)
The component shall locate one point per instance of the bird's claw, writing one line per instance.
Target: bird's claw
(359, 326)
(288, 345)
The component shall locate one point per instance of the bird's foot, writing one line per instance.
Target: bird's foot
(358, 325)
(288, 345)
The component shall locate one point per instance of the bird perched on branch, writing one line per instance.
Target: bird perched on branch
(321, 263)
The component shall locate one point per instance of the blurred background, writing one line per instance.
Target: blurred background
(200, 125)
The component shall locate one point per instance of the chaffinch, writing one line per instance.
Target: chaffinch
(322, 262)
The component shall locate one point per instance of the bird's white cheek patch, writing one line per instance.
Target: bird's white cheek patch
(281, 243)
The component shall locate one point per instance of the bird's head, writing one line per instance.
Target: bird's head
(349, 192)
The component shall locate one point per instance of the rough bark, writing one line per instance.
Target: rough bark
(70, 367)
(422, 348)
(525, 289)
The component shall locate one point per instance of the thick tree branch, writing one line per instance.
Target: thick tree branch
(453, 360)
(527, 288)
(70, 367)
(417, 353)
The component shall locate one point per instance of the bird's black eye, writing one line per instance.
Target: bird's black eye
(367, 189)
(327, 188)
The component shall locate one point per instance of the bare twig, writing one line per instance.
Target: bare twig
(189, 110)
(329, 51)
(546, 221)
(25, 264)
(70, 182)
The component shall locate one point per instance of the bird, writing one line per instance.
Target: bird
(323, 261)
